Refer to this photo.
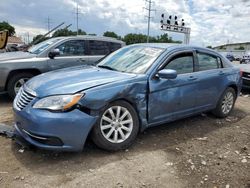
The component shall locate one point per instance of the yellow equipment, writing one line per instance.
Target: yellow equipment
(3, 38)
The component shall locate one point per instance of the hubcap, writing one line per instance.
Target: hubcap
(19, 84)
(116, 124)
(227, 102)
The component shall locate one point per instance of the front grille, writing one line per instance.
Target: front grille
(246, 82)
(23, 98)
(246, 75)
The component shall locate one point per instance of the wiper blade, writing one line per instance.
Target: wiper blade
(107, 67)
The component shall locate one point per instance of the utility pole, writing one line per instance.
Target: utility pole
(149, 9)
(48, 22)
(28, 35)
(77, 17)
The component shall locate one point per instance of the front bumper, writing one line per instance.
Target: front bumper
(65, 131)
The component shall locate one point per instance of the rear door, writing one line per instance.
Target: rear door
(175, 98)
(72, 53)
(210, 74)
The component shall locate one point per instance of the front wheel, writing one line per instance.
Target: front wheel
(16, 82)
(226, 103)
(117, 127)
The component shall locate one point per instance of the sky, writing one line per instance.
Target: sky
(212, 22)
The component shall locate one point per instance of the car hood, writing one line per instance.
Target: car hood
(74, 79)
(15, 55)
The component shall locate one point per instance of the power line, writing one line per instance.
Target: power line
(149, 9)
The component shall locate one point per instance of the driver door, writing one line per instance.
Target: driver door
(72, 53)
(171, 99)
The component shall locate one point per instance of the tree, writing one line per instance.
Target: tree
(209, 47)
(134, 38)
(5, 25)
(140, 38)
(66, 32)
(110, 34)
(240, 48)
(39, 38)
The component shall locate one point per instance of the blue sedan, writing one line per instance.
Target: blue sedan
(136, 87)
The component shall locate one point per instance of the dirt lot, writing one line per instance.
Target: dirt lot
(201, 151)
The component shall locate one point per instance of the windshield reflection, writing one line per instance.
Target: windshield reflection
(132, 59)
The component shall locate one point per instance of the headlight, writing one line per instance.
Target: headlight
(58, 102)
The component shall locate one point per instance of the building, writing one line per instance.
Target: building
(14, 40)
(234, 48)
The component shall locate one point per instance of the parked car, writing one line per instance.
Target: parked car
(245, 75)
(56, 53)
(136, 87)
(245, 59)
(238, 58)
(230, 57)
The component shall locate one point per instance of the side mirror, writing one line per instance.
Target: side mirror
(54, 53)
(167, 74)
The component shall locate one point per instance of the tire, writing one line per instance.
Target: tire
(106, 133)
(13, 82)
(226, 103)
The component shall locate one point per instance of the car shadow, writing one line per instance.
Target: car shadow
(5, 99)
(164, 137)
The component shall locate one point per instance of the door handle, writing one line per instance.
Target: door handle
(192, 78)
(82, 60)
(221, 73)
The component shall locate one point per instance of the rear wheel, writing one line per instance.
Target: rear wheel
(226, 103)
(16, 82)
(117, 127)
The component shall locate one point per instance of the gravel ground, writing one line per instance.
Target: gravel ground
(200, 151)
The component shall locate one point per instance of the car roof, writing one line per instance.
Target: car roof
(173, 46)
(91, 37)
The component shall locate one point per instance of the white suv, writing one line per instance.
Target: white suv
(245, 59)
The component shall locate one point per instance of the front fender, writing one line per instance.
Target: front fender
(97, 98)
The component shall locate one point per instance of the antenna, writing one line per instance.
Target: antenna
(149, 9)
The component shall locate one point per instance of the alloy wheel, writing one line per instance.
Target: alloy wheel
(227, 102)
(19, 84)
(116, 124)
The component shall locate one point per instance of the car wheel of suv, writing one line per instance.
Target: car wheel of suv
(16, 82)
(117, 127)
(226, 103)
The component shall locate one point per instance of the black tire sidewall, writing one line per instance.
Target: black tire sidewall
(102, 142)
(13, 80)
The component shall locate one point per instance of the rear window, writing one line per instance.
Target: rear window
(114, 46)
(98, 47)
(207, 61)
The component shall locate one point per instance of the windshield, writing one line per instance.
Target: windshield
(132, 59)
(40, 47)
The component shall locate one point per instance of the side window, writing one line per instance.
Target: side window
(72, 48)
(114, 46)
(98, 47)
(182, 63)
(207, 62)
